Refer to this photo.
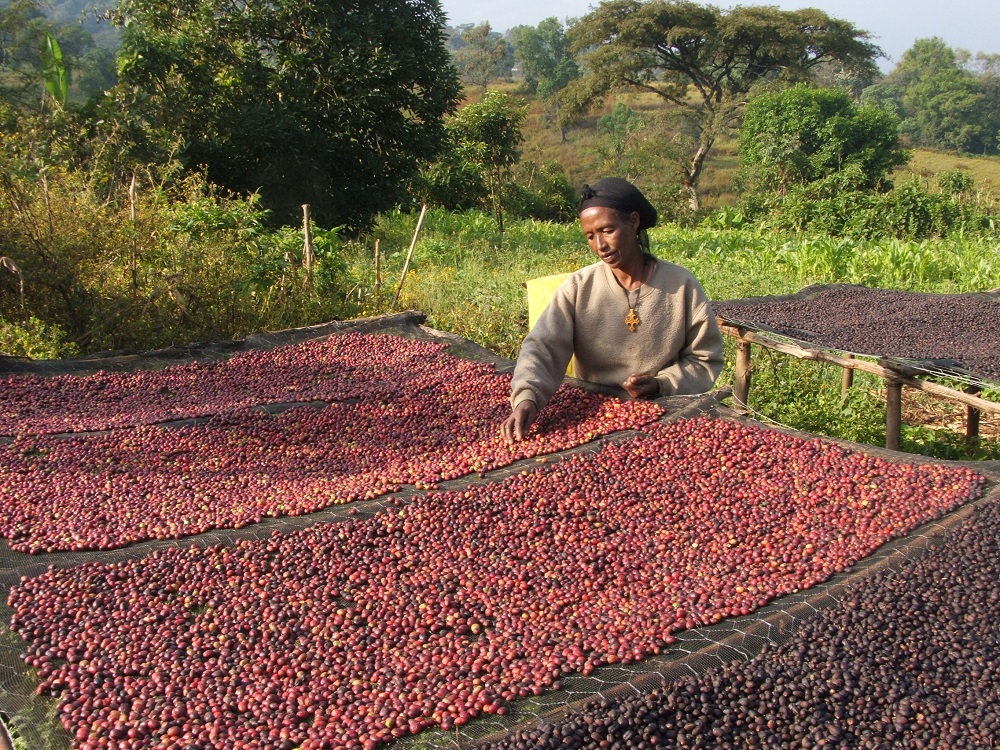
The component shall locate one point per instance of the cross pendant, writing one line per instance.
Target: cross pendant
(632, 320)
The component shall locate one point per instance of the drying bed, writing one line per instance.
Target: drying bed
(415, 415)
(907, 658)
(332, 369)
(459, 602)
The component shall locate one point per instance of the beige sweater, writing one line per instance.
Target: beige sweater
(678, 341)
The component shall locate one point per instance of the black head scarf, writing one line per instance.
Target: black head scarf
(621, 195)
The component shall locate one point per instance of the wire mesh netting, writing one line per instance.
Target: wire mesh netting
(34, 719)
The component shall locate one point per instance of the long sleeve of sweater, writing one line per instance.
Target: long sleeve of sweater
(678, 341)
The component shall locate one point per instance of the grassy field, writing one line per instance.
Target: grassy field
(470, 281)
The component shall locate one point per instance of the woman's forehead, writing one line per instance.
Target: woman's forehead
(598, 216)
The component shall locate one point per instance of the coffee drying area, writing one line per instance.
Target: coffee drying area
(318, 539)
(944, 345)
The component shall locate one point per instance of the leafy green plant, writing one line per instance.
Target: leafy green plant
(54, 69)
(35, 339)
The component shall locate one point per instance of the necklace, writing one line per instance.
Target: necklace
(632, 320)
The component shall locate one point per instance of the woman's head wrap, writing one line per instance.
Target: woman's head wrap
(621, 195)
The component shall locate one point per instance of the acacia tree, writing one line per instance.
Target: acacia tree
(705, 61)
(335, 103)
(547, 61)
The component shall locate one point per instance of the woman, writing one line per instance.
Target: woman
(630, 319)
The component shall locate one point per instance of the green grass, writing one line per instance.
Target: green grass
(926, 164)
(470, 281)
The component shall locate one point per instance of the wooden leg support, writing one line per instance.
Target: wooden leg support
(972, 421)
(893, 414)
(848, 380)
(741, 386)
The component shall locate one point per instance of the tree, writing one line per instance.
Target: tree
(38, 53)
(547, 62)
(988, 73)
(484, 55)
(941, 103)
(335, 104)
(22, 30)
(488, 134)
(705, 61)
(803, 134)
(638, 147)
(620, 130)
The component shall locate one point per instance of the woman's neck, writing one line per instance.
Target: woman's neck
(633, 276)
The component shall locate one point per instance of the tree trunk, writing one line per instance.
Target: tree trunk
(692, 173)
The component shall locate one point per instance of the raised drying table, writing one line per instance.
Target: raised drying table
(903, 337)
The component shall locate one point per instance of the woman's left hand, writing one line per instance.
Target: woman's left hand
(641, 386)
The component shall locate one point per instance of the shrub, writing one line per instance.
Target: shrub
(541, 192)
(35, 339)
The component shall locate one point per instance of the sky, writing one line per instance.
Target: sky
(894, 24)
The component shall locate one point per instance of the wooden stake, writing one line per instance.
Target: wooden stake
(848, 380)
(972, 421)
(378, 269)
(308, 250)
(409, 254)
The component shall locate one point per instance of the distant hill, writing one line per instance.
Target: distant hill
(86, 12)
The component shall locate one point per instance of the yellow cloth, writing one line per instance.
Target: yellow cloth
(540, 293)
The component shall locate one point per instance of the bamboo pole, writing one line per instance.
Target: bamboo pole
(409, 254)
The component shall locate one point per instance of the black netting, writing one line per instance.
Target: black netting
(32, 718)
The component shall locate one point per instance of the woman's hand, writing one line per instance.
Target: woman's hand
(641, 386)
(516, 426)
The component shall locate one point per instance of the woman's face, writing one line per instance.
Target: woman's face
(612, 235)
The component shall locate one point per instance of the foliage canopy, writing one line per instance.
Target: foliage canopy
(547, 61)
(335, 104)
(940, 102)
(803, 134)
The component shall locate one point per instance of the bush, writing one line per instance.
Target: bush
(831, 206)
(541, 192)
(35, 339)
(157, 265)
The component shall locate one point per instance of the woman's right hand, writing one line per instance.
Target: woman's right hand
(516, 426)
